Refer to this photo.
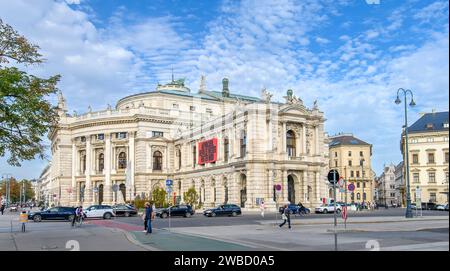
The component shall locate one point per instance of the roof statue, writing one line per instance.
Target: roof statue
(291, 98)
(109, 107)
(202, 83)
(89, 109)
(315, 106)
(265, 95)
(61, 101)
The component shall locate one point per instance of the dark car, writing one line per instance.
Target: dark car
(125, 210)
(54, 213)
(429, 206)
(224, 210)
(176, 210)
(295, 209)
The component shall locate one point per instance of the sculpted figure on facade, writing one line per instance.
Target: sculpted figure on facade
(265, 95)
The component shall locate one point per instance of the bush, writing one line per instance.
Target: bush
(159, 198)
(191, 196)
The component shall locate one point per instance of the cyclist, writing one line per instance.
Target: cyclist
(78, 215)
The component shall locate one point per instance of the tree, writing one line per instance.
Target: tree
(25, 113)
(15, 188)
(159, 197)
(191, 196)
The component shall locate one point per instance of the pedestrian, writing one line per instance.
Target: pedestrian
(149, 215)
(262, 206)
(23, 218)
(286, 216)
(2, 208)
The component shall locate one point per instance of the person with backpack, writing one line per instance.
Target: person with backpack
(286, 216)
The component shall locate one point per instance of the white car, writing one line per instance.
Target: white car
(440, 207)
(328, 208)
(99, 211)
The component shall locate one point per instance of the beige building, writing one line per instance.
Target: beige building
(428, 157)
(230, 148)
(347, 153)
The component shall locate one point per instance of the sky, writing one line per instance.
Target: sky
(349, 55)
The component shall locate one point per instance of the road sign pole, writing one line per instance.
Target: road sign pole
(335, 211)
(346, 213)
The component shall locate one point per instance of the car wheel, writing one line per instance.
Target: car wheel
(213, 214)
(37, 218)
(234, 214)
(187, 215)
(325, 211)
(163, 215)
(291, 212)
(338, 211)
(127, 214)
(107, 216)
(70, 218)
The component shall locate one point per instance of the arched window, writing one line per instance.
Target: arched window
(101, 162)
(358, 196)
(226, 149)
(290, 143)
(122, 160)
(243, 143)
(157, 160)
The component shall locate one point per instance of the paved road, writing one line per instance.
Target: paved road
(199, 220)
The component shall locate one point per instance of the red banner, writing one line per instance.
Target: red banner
(207, 151)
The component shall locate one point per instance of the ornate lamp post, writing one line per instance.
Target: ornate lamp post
(409, 213)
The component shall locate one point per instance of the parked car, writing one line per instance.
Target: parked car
(99, 211)
(440, 207)
(413, 206)
(13, 208)
(124, 210)
(446, 207)
(328, 208)
(176, 210)
(55, 213)
(223, 210)
(428, 206)
(295, 209)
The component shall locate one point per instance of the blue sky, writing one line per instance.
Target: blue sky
(349, 55)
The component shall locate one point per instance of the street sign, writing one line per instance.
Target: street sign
(278, 189)
(351, 187)
(341, 182)
(169, 182)
(333, 176)
(115, 188)
(344, 212)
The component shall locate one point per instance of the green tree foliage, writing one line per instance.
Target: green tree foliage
(191, 196)
(159, 197)
(25, 113)
(15, 188)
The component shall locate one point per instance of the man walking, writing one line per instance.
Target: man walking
(2, 208)
(286, 216)
(148, 217)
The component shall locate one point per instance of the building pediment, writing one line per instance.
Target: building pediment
(298, 109)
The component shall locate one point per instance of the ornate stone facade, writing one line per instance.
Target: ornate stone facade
(154, 136)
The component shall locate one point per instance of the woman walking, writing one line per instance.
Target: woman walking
(286, 216)
(148, 218)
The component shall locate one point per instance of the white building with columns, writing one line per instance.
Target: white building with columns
(165, 134)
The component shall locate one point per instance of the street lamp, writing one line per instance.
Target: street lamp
(362, 179)
(409, 213)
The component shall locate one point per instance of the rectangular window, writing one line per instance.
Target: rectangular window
(357, 174)
(208, 110)
(83, 139)
(432, 177)
(100, 136)
(446, 157)
(243, 145)
(350, 162)
(432, 197)
(431, 158)
(194, 155)
(176, 106)
(446, 177)
(121, 135)
(335, 163)
(415, 158)
(335, 154)
(226, 149)
(416, 178)
(358, 185)
(361, 154)
(192, 108)
(157, 134)
(352, 174)
(349, 153)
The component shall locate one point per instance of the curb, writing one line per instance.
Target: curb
(130, 237)
(355, 222)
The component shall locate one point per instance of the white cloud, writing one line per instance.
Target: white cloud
(322, 40)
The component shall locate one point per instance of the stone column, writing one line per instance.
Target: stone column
(283, 139)
(88, 191)
(305, 186)
(73, 197)
(316, 137)
(107, 191)
(131, 155)
(304, 138)
(284, 185)
(317, 178)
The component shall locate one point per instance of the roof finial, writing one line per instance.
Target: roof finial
(172, 75)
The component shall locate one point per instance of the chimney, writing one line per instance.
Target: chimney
(225, 90)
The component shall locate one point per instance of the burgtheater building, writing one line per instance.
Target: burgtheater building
(231, 148)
